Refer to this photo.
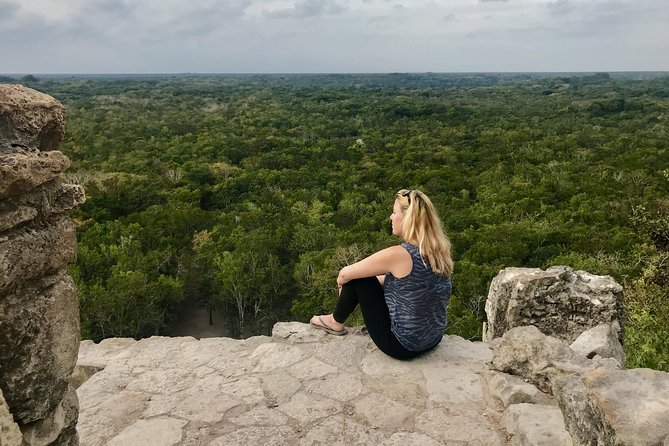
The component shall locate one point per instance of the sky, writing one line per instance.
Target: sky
(332, 36)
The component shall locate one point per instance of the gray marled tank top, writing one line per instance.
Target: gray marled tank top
(417, 304)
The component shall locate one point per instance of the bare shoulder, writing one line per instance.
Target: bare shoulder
(396, 252)
(399, 260)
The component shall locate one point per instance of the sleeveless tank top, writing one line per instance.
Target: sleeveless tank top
(417, 303)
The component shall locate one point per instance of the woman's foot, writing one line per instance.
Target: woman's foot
(328, 324)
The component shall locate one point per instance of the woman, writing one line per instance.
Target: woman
(402, 290)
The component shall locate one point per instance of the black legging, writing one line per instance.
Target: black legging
(368, 293)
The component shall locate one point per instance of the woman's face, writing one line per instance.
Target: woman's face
(396, 219)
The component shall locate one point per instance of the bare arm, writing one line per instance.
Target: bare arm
(395, 260)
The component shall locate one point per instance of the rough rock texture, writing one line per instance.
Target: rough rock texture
(39, 309)
(29, 118)
(300, 386)
(35, 251)
(600, 406)
(601, 341)
(40, 332)
(536, 425)
(617, 407)
(559, 301)
(540, 359)
(47, 199)
(502, 390)
(10, 434)
(59, 425)
(24, 169)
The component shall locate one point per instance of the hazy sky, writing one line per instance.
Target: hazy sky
(315, 36)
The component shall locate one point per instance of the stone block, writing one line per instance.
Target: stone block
(155, 432)
(12, 214)
(35, 251)
(536, 425)
(23, 170)
(502, 390)
(382, 413)
(603, 341)
(39, 341)
(10, 434)
(459, 427)
(559, 301)
(540, 359)
(617, 407)
(51, 429)
(270, 357)
(29, 118)
(279, 388)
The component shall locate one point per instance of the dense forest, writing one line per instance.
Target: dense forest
(248, 193)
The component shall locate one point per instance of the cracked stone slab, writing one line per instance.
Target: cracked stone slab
(306, 408)
(261, 416)
(155, 432)
(311, 368)
(342, 431)
(502, 390)
(459, 427)
(266, 390)
(380, 412)
(343, 387)
(275, 436)
(411, 439)
(453, 383)
(379, 365)
(406, 392)
(536, 425)
(279, 388)
(271, 357)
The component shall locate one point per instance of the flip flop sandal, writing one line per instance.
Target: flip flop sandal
(323, 326)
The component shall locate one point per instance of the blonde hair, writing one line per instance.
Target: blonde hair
(421, 227)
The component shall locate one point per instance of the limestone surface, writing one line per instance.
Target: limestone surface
(559, 301)
(39, 309)
(26, 254)
(298, 387)
(540, 359)
(29, 118)
(24, 169)
(599, 405)
(503, 390)
(601, 341)
(10, 434)
(536, 425)
(39, 336)
(621, 407)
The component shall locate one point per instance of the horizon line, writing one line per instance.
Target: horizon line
(251, 73)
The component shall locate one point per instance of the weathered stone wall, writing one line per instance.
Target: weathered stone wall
(39, 310)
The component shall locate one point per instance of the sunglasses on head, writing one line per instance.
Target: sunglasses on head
(406, 194)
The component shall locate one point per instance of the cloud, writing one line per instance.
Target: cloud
(307, 8)
(125, 19)
(111, 7)
(332, 35)
(560, 7)
(8, 9)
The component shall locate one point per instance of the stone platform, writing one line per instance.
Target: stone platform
(298, 387)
